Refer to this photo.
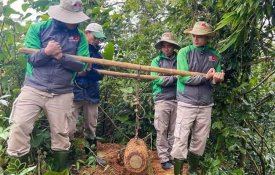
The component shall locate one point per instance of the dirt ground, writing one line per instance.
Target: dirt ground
(113, 154)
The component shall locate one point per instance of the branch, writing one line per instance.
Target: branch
(262, 59)
(260, 157)
(255, 164)
(114, 123)
(1, 31)
(14, 41)
(255, 87)
(252, 125)
(265, 99)
(114, 4)
(2, 36)
(262, 25)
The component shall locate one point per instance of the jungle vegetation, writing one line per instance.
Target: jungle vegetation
(242, 138)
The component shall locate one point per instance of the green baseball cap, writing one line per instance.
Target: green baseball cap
(96, 29)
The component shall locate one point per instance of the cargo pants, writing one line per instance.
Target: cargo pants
(90, 114)
(196, 119)
(25, 111)
(164, 122)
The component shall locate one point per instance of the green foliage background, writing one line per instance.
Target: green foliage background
(242, 140)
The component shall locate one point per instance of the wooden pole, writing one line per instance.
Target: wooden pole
(127, 75)
(122, 64)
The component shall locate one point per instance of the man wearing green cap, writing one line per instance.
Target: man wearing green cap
(86, 88)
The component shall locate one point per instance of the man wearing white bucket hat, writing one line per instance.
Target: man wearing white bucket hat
(48, 81)
(194, 95)
(164, 91)
(86, 89)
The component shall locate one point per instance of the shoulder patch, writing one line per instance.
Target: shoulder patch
(212, 58)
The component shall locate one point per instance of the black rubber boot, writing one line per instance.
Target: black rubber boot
(193, 161)
(178, 166)
(24, 159)
(72, 157)
(60, 161)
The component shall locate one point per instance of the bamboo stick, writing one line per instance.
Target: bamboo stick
(122, 64)
(127, 75)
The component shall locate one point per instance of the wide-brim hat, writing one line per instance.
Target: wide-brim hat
(169, 38)
(68, 11)
(96, 29)
(201, 28)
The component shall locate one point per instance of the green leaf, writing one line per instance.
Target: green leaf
(269, 9)
(233, 147)
(4, 133)
(109, 51)
(218, 125)
(232, 39)
(27, 170)
(96, 10)
(40, 3)
(116, 16)
(7, 11)
(242, 150)
(227, 19)
(216, 163)
(123, 118)
(15, 166)
(11, 1)
(27, 15)
(237, 172)
(220, 142)
(44, 17)
(25, 7)
(91, 160)
(127, 90)
(226, 132)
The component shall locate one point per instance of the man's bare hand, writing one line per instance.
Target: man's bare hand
(209, 75)
(218, 77)
(59, 56)
(54, 49)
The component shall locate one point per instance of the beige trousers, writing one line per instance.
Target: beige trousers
(90, 114)
(26, 108)
(198, 120)
(164, 122)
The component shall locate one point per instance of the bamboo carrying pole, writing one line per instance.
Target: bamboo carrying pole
(127, 75)
(123, 65)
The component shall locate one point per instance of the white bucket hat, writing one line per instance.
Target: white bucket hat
(68, 11)
(96, 29)
(169, 38)
(201, 28)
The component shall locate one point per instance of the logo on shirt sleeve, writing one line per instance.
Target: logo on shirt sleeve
(212, 58)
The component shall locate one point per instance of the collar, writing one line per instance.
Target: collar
(61, 27)
(162, 56)
(201, 47)
(94, 48)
